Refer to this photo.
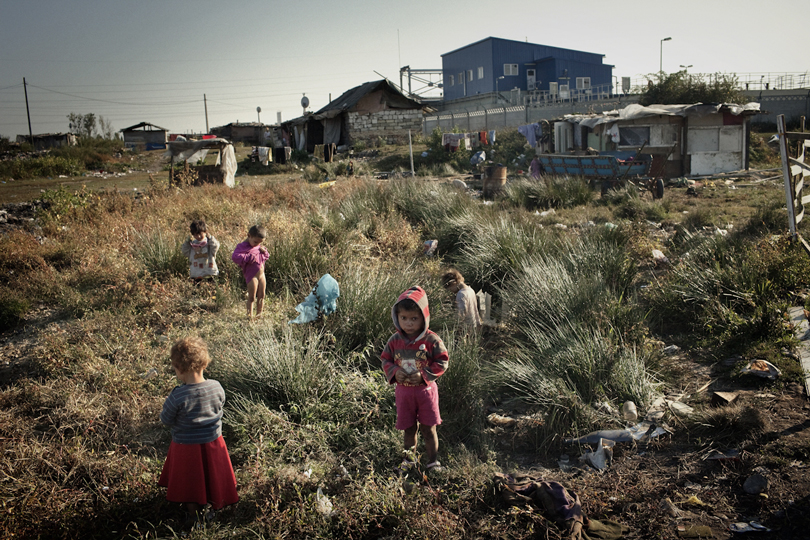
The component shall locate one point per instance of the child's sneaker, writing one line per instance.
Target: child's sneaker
(406, 466)
(434, 466)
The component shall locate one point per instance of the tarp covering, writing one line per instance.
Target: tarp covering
(191, 150)
(635, 111)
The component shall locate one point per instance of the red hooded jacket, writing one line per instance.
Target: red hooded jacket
(425, 353)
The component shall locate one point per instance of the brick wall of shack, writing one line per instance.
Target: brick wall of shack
(391, 124)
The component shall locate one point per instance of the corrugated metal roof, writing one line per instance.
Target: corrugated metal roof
(350, 98)
(144, 124)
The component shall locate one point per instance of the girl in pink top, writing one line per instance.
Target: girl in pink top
(250, 256)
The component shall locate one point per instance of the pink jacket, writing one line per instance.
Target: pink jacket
(249, 259)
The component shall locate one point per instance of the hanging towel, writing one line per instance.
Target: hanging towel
(492, 136)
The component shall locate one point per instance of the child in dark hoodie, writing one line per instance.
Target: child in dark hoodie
(414, 358)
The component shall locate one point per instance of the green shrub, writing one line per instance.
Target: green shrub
(549, 192)
(159, 252)
(12, 310)
(39, 167)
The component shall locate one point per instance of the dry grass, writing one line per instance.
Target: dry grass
(79, 429)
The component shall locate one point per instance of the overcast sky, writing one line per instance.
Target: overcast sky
(134, 61)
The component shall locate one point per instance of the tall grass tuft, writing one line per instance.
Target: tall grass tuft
(549, 192)
(495, 250)
(462, 389)
(363, 319)
(280, 366)
(159, 251)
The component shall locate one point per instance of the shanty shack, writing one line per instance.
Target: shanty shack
(188, 162)
(44, 141)
(145, 134)
(373, 109)
(684, 140)
(244, 132)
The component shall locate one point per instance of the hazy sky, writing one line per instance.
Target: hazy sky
(134, 61)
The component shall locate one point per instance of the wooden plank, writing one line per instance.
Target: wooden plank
(801, 329)
(795, 136)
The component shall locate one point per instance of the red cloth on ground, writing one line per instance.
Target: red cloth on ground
(199, 473)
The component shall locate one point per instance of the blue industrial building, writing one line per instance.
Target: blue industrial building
(495, 64)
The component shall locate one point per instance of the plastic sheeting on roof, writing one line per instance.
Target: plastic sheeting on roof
(185, 150)
(635, 111)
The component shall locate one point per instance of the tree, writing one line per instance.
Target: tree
(683, 87)
(106, 128)
(82, 125)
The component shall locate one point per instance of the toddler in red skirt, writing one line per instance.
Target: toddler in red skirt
(198, 468)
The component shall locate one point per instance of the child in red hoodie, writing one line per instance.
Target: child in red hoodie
(414, 358)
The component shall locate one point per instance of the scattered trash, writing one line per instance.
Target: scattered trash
(681, 409)
(695, 531)
(324, 504)
(755, 484)
(326, 184)
(459, 183)
(561, 225)
(656, 411)
(762, 368)
(669, 507)
(308, 472)
(163, 339)
(478, 158)
(430, 247)
(721, 399)
(629, 411)
(503, 421)
(487, 203)
(425, 154)
(610, 226)
(321, 301)
(547, 212)
(751, 526)
(728, 455)
(670, 350)
(641, 431)
(564, 463)
(151, 372)
(605, 406)
(601, 458)
(659, 257)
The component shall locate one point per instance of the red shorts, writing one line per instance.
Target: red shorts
(417, 404)
(199, 473)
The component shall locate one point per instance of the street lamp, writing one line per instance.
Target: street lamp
(661, 54)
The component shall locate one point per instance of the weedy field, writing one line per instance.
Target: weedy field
(94, 291)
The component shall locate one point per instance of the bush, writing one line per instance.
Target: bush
(39, 167)
(549, 192)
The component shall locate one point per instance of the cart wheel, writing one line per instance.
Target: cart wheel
(658, 190)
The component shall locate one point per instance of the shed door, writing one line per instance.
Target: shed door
(715, 149)
(530, 79)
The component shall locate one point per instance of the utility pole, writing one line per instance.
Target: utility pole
(206, 114)
(28, 113)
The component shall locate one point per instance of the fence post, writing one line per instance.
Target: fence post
(486, 120)
(452, 121)
(504, 116)
(468, 122)
(783, 149)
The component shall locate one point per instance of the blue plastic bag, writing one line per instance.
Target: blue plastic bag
(322, 300)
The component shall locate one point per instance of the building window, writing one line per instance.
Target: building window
(634, 135)
(481, 72)
(469, 75)
(583, 83)
(451, 80)
(510, 69)
(461, 78)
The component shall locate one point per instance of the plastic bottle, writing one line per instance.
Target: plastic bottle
(629, 411)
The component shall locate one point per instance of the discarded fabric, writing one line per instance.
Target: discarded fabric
(430, 247)
(638, 432)
(762, 368)
(321, 301)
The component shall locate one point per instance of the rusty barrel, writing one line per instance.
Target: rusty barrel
(494, 180)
